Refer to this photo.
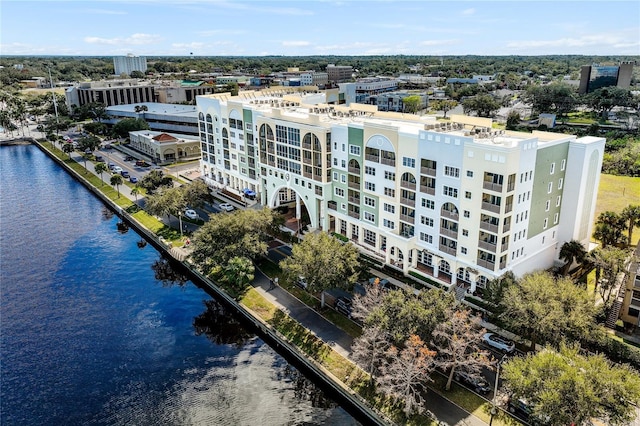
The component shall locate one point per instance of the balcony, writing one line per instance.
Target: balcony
(354, 200)
(497, 187)
(427, 171)
(407, 218)
(449, 215)
(508, 208)
(448, 232)
(487, 246)
(427, 190)
(449, 250)
(388, 161)
(374, 158)
(506, 227)
(354, 185)
(504, 246)
(407, 201)
(306, 160)
(307, 174)
(354, 214)
(408, 185)
(490, 207)
(306, 145)
(354, 170)
(332, 205)
(486, 226)
(486, 264)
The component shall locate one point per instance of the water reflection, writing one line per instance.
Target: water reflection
(165, 272)
(107, 213)
(305, 390)
(220, 327)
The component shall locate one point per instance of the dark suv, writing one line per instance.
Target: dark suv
(477, 383)
(343, 305)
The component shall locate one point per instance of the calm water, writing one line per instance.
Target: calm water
(93, 331)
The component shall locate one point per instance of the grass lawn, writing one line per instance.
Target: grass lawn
(617, 192)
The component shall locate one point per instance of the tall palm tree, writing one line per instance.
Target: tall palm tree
(68, 148)
(572, 251)
(135, 191)
(609, 228)
(631, 214)
(116, 180)
(100, 168)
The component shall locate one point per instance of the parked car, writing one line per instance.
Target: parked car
(302, 283)
(477, 383)
(142, 163)
(522, 409)
(129, 158)
(133, 179)
(99, 159)
(125, 174)
(116, 169)
(343, 305)
(191, 214)
(111, 166)
(384, 284)
(498, 342)
(227, 207)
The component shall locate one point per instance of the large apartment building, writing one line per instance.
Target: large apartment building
(457, 202)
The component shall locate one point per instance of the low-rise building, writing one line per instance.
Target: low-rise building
(165, 148)
(173, 118)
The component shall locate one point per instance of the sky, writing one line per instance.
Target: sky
(319, 27)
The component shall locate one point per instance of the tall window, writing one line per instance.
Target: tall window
(451, 171)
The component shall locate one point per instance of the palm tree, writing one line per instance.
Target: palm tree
(238, 273)
(116, 180)
(572, 251)
(608, 229)
(631, 214)
(135, 191)
(100, 168)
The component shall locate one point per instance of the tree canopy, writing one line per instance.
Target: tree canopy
(123, 127)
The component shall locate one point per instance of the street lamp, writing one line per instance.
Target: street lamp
(494, 409)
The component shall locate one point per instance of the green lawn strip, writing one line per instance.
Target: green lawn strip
(470, 401)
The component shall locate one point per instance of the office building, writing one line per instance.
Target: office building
(458, 202)
(170, 118)
(165, 148)
(128, 64)
(339, 73)
(593, 77)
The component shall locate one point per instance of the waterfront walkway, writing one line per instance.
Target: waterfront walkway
(447, 412)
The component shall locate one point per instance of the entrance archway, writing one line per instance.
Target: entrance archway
(297, 214)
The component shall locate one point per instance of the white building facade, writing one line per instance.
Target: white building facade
(128, 64)
(457, 203)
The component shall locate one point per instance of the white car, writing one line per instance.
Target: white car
(227, 207)
(191, 214)
(117, 170)
(499, 342)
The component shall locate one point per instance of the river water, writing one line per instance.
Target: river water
(95, 329)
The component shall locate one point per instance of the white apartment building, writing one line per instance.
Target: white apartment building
(128, 64)
(457, 202)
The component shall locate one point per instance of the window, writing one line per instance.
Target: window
(344, 148)
(409, 162)
(369, 237)
(368, 201)
(426, 238)
(549, 187)
(465, 232)
(467, 214)
(469, 173)
(463, 250)
(546, 222)
(354, 149)
(344, 163)
(553, 168)
(451, 171)
(369, 217)
(560, 183)
(369, 186)
(335, 161)
(339, 192)
(389, 192)
(555, 219)
(369, 171)
(335, 176)
(389, 208)
(390, 176)
(343, 178)
(467, 195)
(563, 164)
(449, 191)
(388, 224)
(558, 201)
(426, 221)
(547, 205)
(429, 204)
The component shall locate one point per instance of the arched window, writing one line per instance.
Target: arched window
(444, 267)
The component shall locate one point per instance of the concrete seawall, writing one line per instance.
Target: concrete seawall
(346, 397)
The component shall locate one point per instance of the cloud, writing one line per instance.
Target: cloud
(295, 43)
(468, 12)
(587, 40)
(134, 39)
(438, 42)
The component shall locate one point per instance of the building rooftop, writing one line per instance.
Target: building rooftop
(157, 108)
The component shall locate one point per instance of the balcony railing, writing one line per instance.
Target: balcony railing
(491, 207)
(306, 145)
(427, 171)
(407, 201)
(355, 185)
(448, 232)
(449, 215)
(355, 170)
(492, 186)
(508, 208)
(306, 160)
(373, 158)
(306, 174)
(487, 246)
(408, 185)
(506, 227)
(427, 190)
(486, 226)
(332, 205)
(354, 214)
(388, 161)
(486, 264)
(354, 200)
(407, 218)
(504, 246)
(448, 250)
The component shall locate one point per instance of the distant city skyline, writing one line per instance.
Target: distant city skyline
(319, 27)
